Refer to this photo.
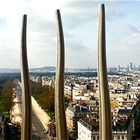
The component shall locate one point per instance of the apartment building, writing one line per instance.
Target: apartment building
(89, 129)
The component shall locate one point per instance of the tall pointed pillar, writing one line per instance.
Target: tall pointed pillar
(61, 128)
(105, 110)
(26, 130)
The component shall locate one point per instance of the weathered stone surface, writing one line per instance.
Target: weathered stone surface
(61, 129)
(26, 132)
(105, 111)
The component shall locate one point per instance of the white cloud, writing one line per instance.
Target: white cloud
(79, 20)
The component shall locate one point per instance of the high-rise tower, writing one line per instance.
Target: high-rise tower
(131, 66)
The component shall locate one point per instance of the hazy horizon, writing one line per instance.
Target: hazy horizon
(137, 66)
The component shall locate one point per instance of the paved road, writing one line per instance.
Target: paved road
(37, 127)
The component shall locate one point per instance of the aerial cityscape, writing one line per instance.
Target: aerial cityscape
(82, 103)
(97, 98)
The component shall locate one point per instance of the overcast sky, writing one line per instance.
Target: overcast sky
(80, 23)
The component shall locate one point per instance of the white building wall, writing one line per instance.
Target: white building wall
(86, 134)
(83, 132)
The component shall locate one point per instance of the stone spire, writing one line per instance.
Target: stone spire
(105, 110)
(26, 130)
(61, 128)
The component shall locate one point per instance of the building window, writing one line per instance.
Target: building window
(118, 137)
(94, 138)
(122, 137)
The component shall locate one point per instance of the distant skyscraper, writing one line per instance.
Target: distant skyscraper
(134, 68)
(119, 68)
(127, 67)
(131, 66)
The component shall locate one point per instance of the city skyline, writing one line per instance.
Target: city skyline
(80, 24)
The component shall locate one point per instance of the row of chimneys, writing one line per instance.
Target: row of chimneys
(61, 129)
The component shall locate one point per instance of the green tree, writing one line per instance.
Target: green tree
(44, 95)
(6, 97)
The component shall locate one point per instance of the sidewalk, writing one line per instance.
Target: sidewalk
(16, 116)
(40, 113)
